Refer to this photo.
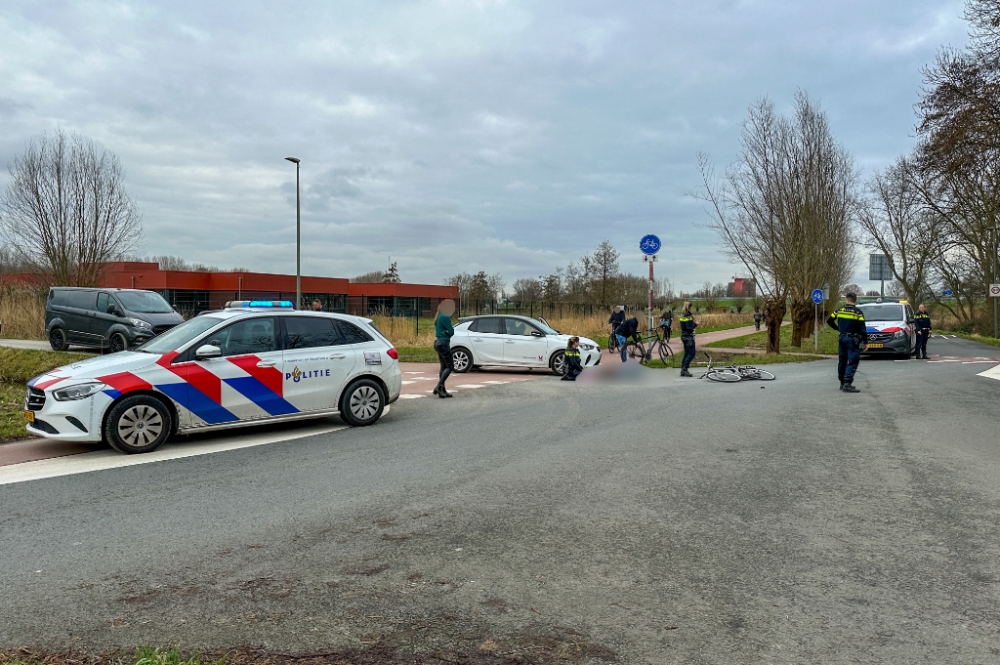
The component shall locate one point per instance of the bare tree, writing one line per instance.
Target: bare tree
(527, 289)
(602, 269)
(784, 210)
(899, 224)
(66, 209)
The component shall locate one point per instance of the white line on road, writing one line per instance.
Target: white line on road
(992, 373)
(100, 460)
(471, 385)
(411, 396)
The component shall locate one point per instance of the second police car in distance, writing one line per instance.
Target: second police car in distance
(516, 341)
(253, 362)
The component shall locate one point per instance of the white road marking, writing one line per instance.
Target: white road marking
(977, 362)
(497, 383)
(992, 373)
(100, 460)
(471, 385)
(411, 396)
(408, 383)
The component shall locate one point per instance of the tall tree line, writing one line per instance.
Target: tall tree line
(785, 210)
(933, 212)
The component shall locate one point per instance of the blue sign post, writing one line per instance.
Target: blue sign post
(650, 244)
(817, 298)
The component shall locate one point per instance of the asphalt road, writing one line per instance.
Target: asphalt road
(762, 523)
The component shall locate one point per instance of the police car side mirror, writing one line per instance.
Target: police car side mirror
(207, 351)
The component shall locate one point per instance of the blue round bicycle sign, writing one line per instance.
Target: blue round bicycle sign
(650, 244)
(817, 296)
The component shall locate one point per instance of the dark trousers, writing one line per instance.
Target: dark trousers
(849, 355)
(921, 344)
(572, 373)
(689, 351)
(444, 357)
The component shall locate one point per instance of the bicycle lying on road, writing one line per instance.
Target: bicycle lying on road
(734, 373)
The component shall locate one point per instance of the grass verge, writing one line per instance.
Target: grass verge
(974, 338)
(417, 354)
(758, 341)
(17, 366)
(721, 359)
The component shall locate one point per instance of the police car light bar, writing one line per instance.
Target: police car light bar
(250, 304)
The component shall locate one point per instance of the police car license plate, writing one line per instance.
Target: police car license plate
(874, 346)
(29, 416)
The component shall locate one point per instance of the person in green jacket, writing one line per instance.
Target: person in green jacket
(443, 332)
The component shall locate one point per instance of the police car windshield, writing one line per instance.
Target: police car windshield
(144, 302)
(882, 312)
(180, 335)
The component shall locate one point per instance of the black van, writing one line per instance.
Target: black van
(113, 319)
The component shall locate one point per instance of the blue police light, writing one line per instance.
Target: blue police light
(254, 304)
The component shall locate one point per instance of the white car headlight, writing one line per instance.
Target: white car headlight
(139, 323)
(899, 333)
(588, 347)
(79, 391)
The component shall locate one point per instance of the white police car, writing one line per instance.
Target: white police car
(253, 362)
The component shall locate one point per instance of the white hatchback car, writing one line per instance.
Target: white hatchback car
(515, 341)
(254, 362)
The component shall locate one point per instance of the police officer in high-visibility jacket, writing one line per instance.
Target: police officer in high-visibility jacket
(850, 323)
(922, 323)
(688, 325)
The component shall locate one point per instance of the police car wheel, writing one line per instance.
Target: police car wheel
(461, 360)
(362, 403)
(558, 363)
(117, 343)
(57, 339)
(138, 424)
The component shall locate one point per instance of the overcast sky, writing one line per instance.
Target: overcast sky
(451, 135)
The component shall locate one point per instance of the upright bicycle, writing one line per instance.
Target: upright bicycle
(643, 348)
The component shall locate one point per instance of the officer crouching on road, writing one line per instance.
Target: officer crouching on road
(850, 323)
(922, 322)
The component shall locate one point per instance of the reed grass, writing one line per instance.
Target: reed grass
(22, 312)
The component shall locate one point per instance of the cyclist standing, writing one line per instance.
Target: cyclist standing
(688, 325)
(666, 321)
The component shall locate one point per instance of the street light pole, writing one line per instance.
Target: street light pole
(298, 236)
(996, 319)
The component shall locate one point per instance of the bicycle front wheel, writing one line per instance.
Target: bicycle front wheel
(665, 353)
(764, 375)
(723, 377)
(635, 351)
(613, 343)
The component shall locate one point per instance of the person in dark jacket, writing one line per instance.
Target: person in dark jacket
(617, 318)
(688, 325)
(574, 367)
(443, 332)
(667, 321)
(922, 323)
(628, 328)
(850, 323)
(757, 318)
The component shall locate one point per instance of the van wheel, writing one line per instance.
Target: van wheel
(138, 424)
(362, 403)
(117, 343)
(57, 339)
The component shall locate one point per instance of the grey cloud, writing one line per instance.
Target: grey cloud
(507, 136)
